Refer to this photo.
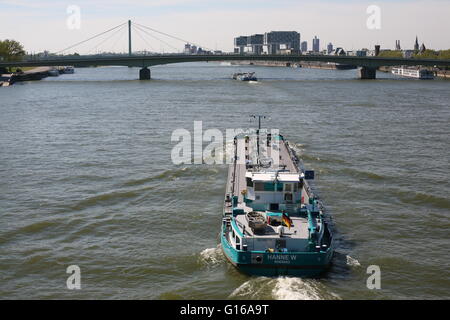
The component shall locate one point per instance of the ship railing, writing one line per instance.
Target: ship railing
(240, 225)
(311, 228)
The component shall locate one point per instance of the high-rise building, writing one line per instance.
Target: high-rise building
(240, 43)
(316, 44)
(187, 48)
(330, 48)
(304, 46)
(397, 45)
(255, 43)
(271, 42)
(274, 40)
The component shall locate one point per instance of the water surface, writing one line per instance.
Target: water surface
(87, 179)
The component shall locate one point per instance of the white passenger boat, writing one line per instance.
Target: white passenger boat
(416, 73)
(69, 70)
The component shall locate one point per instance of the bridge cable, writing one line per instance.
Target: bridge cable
(155, 37)
(93, 37)
(108, 38)
(174, 37)
(113, 47)
(143, 39)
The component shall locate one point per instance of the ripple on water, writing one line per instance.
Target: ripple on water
(421, 199)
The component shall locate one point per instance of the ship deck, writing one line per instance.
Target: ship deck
(299, 229)
(240, 182)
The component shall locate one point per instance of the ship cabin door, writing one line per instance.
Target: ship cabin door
(288, 188)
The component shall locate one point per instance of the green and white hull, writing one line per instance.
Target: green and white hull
(260, 263)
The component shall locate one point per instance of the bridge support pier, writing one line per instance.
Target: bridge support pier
(144, 74)
(367, 73)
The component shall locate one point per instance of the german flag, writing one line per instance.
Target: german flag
(286, 220)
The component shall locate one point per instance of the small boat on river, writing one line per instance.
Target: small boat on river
(245, 76)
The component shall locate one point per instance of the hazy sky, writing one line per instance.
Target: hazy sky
(41, 25)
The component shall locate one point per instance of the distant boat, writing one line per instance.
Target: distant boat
(53, 72)
(5, 80)
(69, 70)
(245, 76)
(416, 73)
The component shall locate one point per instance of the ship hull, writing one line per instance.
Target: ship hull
(295, 264)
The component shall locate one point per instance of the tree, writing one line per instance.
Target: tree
(444, 54)
(391, 54)
(427, 54)
(11, 50)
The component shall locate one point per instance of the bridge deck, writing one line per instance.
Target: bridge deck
(151, 60)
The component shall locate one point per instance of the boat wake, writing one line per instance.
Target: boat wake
(251, 289)
(212, 256)
(283, 288)
(296, 289)
(352, 262)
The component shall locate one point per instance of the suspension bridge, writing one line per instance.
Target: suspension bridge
(150, 57)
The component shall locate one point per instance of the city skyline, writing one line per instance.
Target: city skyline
(342, 23)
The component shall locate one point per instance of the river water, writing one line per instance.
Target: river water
(87, 179)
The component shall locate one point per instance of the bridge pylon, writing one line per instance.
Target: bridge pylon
(144, 74)
(129, 38)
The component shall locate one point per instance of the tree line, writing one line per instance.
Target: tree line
(427, 54)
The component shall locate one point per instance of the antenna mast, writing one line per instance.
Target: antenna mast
(257, 131)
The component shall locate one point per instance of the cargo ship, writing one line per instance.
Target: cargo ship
(273, 224)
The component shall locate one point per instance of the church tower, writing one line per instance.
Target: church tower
(416, 45)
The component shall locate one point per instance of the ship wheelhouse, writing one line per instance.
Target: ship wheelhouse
(274, 191)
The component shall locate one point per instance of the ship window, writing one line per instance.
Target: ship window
(268, 186)
(232, 234)
(249, 182)
(274, 207)
(288, 187)
(259, 186)
(279, 187)
(295, 187)
(238, 240)
(300, 184)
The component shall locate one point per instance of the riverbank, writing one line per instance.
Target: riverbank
(28, 75)
(32, 74)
